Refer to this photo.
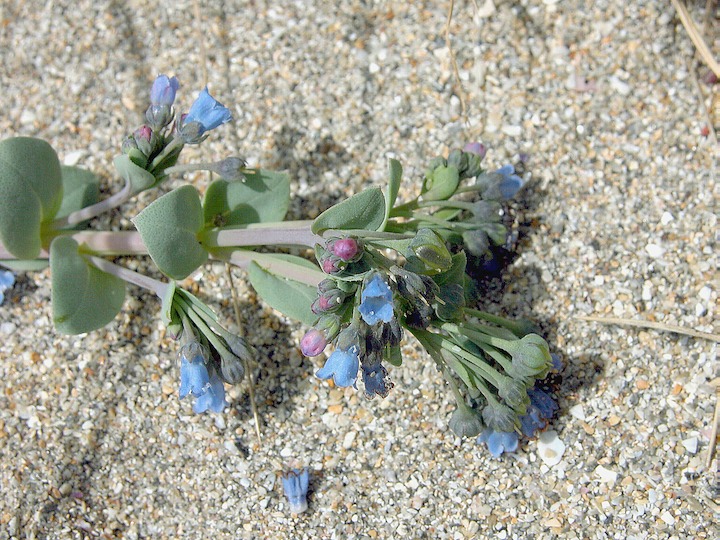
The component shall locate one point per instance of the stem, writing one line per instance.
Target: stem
(515, 327)
(146, 282)
(94, 210)
(404, 210)
(497, 342)
(290, 233)
(202, 325)
(488, 373)
(461, 205)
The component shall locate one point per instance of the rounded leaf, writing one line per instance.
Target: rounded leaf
(84, 297)
(30, 191)
(169, 229)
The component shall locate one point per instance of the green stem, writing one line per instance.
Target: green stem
(515, 327)
(489, 373)
(497, 342)
(287, 233)
(202, 325)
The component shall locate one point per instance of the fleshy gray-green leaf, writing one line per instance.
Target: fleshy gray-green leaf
(263, 197)
(30, 191)
(80, 189)
(84, 298)
(395, 171)
(139, 178)
(442, 183)
(288, 296)
(365, 210)
(169, 229)
(427, 254)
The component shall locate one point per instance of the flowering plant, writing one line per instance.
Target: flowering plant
(384, 268)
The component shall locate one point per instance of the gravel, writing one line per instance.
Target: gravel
(620, 219)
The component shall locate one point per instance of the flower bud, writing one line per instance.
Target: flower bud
(313, 342)
(465, 422)
(232, 169)
(476, 148)
(231, 368)
(346, 249)
(531, 356)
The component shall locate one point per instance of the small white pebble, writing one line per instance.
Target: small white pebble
(577, 411)
(605, 475)
(286, 452)
(691, 444)
(72, 158)
(666, 218)
(619, 86)
(654, 250)
(7, 328)
(349, 439)
(512, 131)
(705, 293)
(668, 518)
(550, 448)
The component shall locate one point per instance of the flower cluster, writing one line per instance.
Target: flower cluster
(155, 146)
(368, 300)
(209, 356)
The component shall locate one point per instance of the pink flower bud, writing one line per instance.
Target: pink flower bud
(476, 148)
(345, 248)
(313, 343)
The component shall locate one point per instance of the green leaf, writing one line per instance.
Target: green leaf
(263, 197)
(84, 298)
(30, 191)
(427, 254)
(139, 178)
(456, 273)
(169, 229)
(28, 265)
(365, 210)
(80, 189)
(395, 173)
(441, 183)
(288, 296)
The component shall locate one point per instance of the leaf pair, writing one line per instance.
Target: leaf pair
(172, 225)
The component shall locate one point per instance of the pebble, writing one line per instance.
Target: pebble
(654, 250)
(550, 448)
(691, 444)
(605, 475)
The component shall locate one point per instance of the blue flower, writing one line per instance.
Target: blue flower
(376, 382)
(541, 409)
(376, 302)
(510, 183)
(214, 396)
(499, 441)
(342, 366)
(207, 112)
(295, 484)
(163, 90)
(194, 376)
(7, 280)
